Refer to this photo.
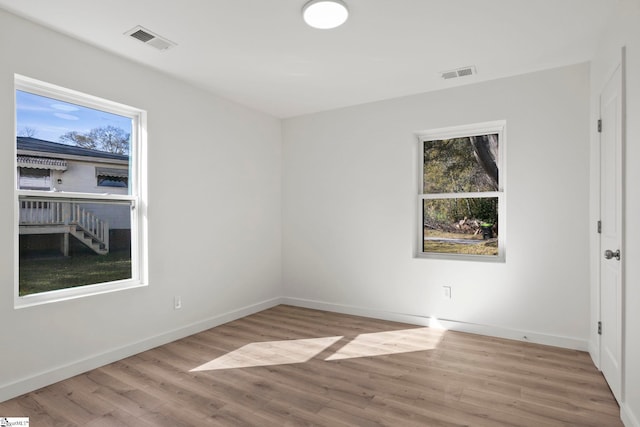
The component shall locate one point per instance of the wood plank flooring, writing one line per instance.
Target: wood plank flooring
(290, 366)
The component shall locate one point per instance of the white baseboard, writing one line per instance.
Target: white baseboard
(627, 416)
(59, 373)
(492, 331)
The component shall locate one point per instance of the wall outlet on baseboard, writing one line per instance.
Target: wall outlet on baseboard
(177, 303)
(446, 292)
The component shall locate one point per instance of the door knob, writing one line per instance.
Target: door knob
(608, 254)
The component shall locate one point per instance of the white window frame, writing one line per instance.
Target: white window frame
(486, 128)
(137, 197)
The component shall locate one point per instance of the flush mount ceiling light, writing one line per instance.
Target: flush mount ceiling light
(325, 14)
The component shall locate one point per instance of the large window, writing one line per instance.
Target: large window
(461, 204)
(79, 194)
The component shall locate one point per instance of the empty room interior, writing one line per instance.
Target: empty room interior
(232, 212)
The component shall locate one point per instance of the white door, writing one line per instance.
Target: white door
(611, 258)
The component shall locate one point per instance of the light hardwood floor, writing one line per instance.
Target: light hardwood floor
(290, 366)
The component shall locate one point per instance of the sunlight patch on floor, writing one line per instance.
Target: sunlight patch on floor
(286, 352)
(270, 353)
(389, 342)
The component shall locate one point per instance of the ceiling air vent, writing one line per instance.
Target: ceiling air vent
(460, 72)
(150, 38)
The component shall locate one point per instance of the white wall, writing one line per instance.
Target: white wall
(624, 30)
(214, 214)
(349, 210)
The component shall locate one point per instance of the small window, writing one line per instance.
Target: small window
(79, 184)
(112, 177)
(34, 179)
(461, 202)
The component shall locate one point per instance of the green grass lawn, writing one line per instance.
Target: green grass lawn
(49, 274)
(489, 248)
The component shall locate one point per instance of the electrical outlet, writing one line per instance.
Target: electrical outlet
(177, 303)
(446, 292)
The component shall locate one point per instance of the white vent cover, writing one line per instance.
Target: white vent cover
(150, 38)
(459, 72)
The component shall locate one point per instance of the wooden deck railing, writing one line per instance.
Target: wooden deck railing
(36, 212)
(44, 213)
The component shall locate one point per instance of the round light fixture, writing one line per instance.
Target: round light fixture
(325, 14)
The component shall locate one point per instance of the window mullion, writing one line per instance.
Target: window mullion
(75, 196)
(475, 195)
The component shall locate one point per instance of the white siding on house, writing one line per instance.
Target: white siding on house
(81, 177)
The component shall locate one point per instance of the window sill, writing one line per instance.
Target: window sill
(74, 293)
(460, 257)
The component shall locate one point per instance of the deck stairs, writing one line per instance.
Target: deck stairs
(89, 239)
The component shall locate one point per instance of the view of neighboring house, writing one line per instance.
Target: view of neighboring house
(47, 225)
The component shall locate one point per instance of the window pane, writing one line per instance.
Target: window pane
(34, 179)
(72, 143)
(457, 165)
(106, 181)
(461, 226)
(65, 244)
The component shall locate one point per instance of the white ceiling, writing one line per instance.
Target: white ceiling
(259, 53)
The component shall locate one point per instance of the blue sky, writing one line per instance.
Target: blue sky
(52, 118)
